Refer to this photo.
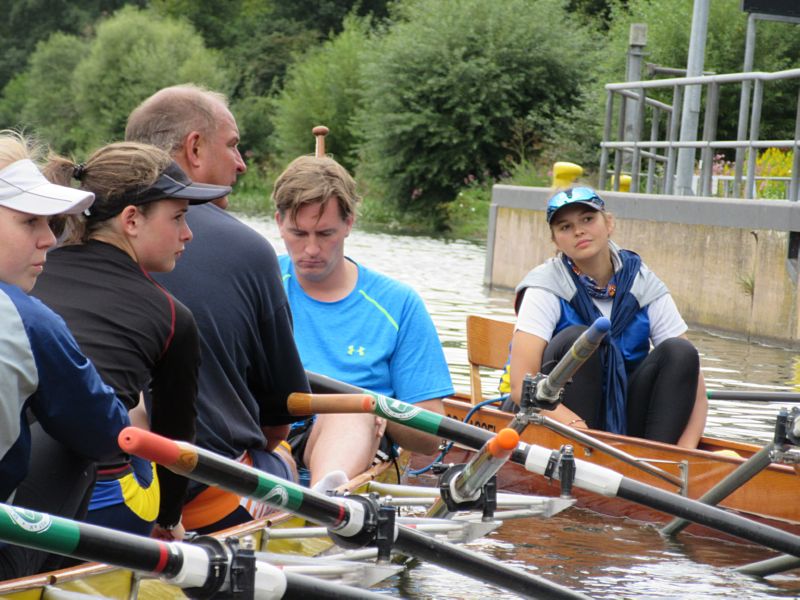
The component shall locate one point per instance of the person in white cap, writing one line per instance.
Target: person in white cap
(135, 332)
(44, 377)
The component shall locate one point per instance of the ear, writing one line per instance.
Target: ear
(191, 149)
(610, 223)
(349, 222)
(130, 220)
(278, 219)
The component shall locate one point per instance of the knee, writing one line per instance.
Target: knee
(680, 351)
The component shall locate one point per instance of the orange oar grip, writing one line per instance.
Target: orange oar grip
(501, 445)
(149, 445)
(314, 404)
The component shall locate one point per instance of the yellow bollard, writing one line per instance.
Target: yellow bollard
(565, 174)
(624, 183)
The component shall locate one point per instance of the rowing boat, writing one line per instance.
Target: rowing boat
(99, 580)
(770, 496)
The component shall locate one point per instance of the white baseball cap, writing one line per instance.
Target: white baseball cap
(24, 188)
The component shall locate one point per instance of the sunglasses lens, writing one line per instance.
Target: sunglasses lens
(578, 194)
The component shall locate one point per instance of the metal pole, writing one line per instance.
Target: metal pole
(691, 101)
(770, 566)
(735, 479)
(744, 100)
(674, 122)
(755, 127)
(606, 137)
(794, 186)
(637, 132)
(651, 162)
(620, 152)
(637, 40)
(709, 135)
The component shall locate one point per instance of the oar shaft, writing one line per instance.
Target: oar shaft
(303, 587)
(604, 481)
(752, 396)
(88, 542)
(209, 468)
(479, 567)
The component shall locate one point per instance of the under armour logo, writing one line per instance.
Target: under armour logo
(353, 350)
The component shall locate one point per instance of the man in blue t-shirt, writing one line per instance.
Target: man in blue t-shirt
(351, 323)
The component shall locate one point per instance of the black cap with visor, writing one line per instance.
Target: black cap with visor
(172, 183)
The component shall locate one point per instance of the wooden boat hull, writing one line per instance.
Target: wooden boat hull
(105, 581)
(770, 497)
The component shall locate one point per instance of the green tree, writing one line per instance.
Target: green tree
(454, 81)
(324, 88)
(134, 55)
(27, 22)
(49, 106)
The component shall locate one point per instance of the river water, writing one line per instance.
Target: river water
(600, 556)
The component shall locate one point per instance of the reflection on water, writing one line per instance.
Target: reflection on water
(600, 556)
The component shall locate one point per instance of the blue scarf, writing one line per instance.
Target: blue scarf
(623, 310)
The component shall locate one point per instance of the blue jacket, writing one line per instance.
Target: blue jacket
(42, 369)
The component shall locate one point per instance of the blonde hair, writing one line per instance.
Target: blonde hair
(112, 172)
(168, 116)
(314, 180)
(15, 146)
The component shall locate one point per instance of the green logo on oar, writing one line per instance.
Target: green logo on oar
(29, 520)
(395, 409)
(277, 496)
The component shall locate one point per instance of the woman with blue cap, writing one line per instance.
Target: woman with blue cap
(56, 415)
(141, 339)
(625, 387)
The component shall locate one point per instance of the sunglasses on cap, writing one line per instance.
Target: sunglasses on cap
(577, 195)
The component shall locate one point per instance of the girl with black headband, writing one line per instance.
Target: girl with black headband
(139, 337)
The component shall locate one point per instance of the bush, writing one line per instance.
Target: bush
(325, 88)
(453, 80)
(49, 106)
(133, 56)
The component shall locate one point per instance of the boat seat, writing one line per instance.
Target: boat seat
(488, 341)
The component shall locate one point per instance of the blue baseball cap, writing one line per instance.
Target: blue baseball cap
(576, 195)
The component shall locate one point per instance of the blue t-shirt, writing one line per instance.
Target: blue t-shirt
(380, 337)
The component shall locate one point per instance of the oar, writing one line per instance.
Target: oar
(465, 485)
(320, 131)
(752, 396)
(204, 567)
(536, 459)
(348, 518)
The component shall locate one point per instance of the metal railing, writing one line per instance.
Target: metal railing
(640, 150)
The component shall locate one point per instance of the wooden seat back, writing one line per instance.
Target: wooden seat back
(488, 340)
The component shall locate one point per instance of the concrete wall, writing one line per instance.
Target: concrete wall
(727, 262)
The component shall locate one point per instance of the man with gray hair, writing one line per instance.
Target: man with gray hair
(230, 280)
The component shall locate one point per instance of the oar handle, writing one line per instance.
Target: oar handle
(320, 131)
(149, 445)
(313, 404)
(578, 354)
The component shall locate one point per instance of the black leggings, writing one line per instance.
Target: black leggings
(59, 482)
(661, 391)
